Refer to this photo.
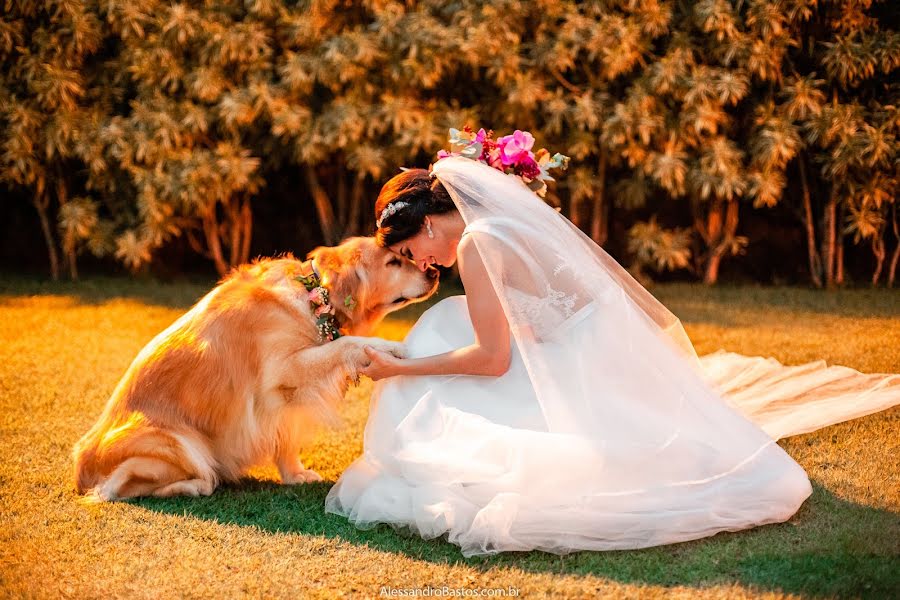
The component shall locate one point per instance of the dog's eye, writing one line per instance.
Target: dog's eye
(400, 300)
(394, 262)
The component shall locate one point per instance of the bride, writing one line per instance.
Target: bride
(558, 405)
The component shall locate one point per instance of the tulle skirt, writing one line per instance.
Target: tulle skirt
(473, 457)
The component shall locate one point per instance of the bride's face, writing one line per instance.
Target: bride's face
(428, 251)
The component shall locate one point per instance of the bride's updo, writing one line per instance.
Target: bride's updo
(420, 194)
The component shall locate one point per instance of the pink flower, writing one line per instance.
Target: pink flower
(515, 147)
(494, 158)
(528, 167)
(480, 136)
(443, 154)
(325, 309)
(317, 295)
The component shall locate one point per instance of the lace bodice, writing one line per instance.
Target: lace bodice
(546, 308)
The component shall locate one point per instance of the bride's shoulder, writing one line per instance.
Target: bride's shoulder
(485, 223)
(504, 230)
(496, 226)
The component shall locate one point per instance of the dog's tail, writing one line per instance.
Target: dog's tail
(98, 447)
(84, 455)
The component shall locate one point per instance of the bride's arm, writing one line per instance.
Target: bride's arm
(490, 353)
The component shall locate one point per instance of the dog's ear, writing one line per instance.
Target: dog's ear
(344, 275)
(321, 254)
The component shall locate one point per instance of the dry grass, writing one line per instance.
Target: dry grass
(65, 346)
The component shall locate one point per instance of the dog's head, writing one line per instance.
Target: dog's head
(366, 281)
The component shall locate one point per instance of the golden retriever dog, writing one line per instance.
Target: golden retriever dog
(243, 377)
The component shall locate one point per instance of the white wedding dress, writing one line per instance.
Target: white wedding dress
(607, 432)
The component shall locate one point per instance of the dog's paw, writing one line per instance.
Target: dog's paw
(301, 476)
(398, 349)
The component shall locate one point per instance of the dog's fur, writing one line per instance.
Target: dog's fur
(242, 377)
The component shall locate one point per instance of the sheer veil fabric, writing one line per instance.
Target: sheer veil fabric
(608, 431)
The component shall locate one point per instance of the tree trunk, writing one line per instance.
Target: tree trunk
(71, 257)
(839, 248)
(41, 203)
(342, 204)
(240, 226)
(828, 239)
(575, 212)
(815, 262)
(697, 247)
(714, 219)
(69, 248)
(323, 207)
(247, 225)
(724, 233)
(353, 226)
(711, 272)
(235, 232)
(895, 257)
(599, 228)
(211, 229)
(878, 251)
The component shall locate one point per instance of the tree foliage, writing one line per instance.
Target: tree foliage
(135, 122)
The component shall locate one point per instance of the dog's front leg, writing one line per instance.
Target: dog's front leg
(317, 380)
(334, 362)
(356, 358)
(292, 470)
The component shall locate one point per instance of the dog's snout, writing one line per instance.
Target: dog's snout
(432, 273)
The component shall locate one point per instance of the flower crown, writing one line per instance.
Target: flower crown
(510, 154)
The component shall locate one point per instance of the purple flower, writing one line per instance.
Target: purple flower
(515, 147)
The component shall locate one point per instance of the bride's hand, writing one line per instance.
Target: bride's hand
(382, 364)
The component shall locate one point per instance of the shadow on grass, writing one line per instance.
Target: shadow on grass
(830, 548)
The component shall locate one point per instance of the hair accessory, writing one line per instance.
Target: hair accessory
(389, 210)
(510, 154)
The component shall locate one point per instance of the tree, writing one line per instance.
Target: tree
(136, 123)
(49, 49)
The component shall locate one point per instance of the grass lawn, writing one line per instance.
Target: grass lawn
(64, 347)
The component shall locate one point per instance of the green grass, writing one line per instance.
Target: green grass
(64, 346)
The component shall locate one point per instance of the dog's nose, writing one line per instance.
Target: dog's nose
(432, 273)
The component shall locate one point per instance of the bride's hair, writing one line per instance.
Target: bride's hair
(422, 194)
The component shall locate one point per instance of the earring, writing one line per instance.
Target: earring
(428, 226)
